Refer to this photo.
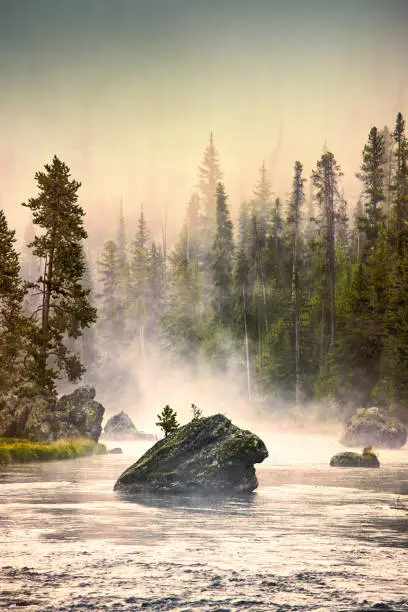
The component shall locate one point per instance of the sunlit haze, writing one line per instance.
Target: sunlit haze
(127, 92)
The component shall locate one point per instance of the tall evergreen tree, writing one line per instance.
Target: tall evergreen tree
(156, 288)
(181, 317)
(65, 308)
(388, 171)
(121, 242)
(261, 203)
(140, 273)
(222, 260)
(295, 206)
(372, 177)
(111, 309)
(325, 181)
(12, 322)
(209, 176)
(395, 371)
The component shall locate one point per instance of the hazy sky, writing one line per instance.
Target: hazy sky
(127, 91)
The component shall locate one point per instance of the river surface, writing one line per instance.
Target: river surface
(310, 538)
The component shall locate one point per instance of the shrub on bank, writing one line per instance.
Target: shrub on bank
(23, 451)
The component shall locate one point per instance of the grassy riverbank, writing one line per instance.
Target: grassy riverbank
(24, 451)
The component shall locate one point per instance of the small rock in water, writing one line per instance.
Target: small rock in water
(206, 455)
(367, 459)
(115, 451)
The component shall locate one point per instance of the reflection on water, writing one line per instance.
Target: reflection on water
(310, 538)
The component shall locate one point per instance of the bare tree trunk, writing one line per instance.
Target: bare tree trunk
(45, 328)
(295, 305)
(329, 205)
(322, 324)
(246, 348)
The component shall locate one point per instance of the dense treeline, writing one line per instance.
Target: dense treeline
(309, 297)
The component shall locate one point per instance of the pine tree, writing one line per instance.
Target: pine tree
(111, 309)
(325, 181)
(140, 274)
(222, 260)
(241, 303)
(295, 205)
(400, 188)
(12, 322)
(388, 170)
(121, 242)
(372, 177)
(167, 420)
(87, 342)
(156, 289)
(65, 309)
(181, 317)
(197, 412)
(395, 362)
(192, 228)
(209, 176)
(261, 204)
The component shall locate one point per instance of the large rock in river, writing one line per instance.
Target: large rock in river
(78, 415)
(28, 413)
(374, 427)
(206, 455)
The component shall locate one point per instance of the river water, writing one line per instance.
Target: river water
(310, 538)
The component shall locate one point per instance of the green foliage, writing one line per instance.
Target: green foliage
(372, 177)
(111, 310)
(65, 309)
(13, 325)
(181, 327)
(197, 412)
(23, 451)
(167, 420)
(209, 177)
(222, 260)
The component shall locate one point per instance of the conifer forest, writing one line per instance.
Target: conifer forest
(305, 294)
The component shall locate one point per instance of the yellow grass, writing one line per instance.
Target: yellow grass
(24, 451)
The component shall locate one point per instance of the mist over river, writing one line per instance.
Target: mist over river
(310, 538)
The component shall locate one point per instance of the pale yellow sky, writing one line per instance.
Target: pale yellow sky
(126, 94)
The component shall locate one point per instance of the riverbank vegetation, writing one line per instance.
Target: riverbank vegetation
(23, 451)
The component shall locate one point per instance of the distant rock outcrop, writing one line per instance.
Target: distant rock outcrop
(121, 427)
(367, 459)
(374, 427)
(28, 413)
(206, 455)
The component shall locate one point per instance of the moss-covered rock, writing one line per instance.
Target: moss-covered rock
(374, 427)
(209, 454)
(367, 459)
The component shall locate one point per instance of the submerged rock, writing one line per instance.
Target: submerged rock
(28, 413)
(375, 427)
(367, 459)
(206, 455)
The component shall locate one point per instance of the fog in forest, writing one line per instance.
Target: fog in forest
(130, 95)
